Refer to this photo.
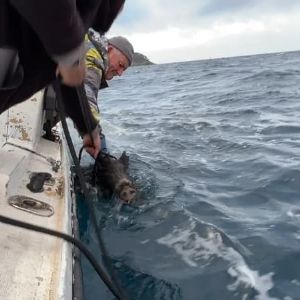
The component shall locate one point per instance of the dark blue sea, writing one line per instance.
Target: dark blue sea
(214, 148)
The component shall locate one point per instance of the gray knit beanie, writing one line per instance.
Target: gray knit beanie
(123, 45)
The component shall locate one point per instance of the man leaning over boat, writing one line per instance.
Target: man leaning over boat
(105, 58)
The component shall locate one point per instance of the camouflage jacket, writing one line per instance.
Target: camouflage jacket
(96, 62)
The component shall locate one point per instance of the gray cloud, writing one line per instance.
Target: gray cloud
(202, 27)
(233, 6)
(141, 15)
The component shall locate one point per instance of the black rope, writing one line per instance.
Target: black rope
(106, 155)
(83, 101)
(114, 288)
(85, 108)
(80, 154)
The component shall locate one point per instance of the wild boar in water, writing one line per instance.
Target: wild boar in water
(111, 174)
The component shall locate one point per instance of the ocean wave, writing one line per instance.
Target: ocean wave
(196, 251)
(214, 148)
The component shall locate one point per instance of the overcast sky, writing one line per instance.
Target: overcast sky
(176, 30)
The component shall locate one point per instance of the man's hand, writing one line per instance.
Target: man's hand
(72, 76)
(92, 146)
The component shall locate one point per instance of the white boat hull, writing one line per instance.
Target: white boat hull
(33, 266)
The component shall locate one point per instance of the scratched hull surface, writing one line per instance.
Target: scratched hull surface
(33, 266)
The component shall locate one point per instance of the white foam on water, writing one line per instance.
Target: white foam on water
(144, 242)
(296, 282)
(297, 235)
(294, 213)
(112, 128)
(192, 248)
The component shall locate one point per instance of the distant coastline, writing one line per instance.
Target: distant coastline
(140, 60)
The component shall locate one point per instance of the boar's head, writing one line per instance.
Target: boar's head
(112, 177)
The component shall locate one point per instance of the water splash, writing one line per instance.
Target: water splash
(193, 248)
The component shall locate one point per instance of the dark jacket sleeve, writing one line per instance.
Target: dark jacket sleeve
(78, 111)
(106, 14)
(53, 21)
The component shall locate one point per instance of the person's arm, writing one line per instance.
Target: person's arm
(60, 29)
(93, 80)
(106, 14)
(58, 26)
(85, 123)
(92, 83)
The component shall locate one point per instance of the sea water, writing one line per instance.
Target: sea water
(214, 148)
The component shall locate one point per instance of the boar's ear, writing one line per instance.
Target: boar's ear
(124, 159)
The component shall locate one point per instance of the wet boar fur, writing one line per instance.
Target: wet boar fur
(111, 175)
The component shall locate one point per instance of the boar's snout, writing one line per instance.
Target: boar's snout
(126, 191)
(128, 194)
